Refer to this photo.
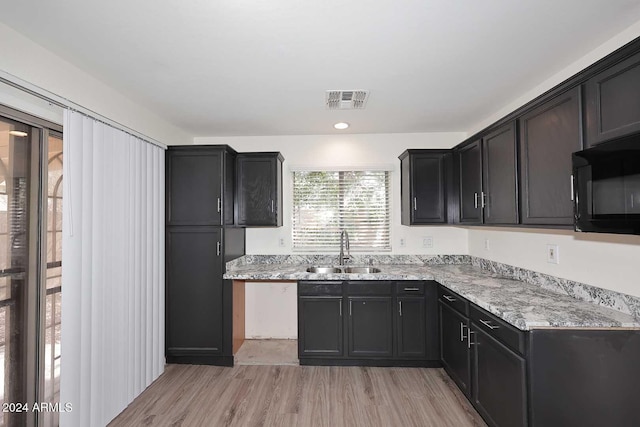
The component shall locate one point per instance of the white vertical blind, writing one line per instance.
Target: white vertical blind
(325, 202)
(112, 340)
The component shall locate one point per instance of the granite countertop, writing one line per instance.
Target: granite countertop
(524, 305)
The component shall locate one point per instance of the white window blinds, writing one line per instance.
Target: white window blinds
(113, 270)
(325, 202)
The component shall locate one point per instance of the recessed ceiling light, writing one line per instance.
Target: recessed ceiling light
(341, 125)
(17, 133)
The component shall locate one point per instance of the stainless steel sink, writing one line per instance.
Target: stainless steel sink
(353, 270)
(323, 270)
(361, 270)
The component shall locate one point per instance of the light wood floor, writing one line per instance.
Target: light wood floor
(189, 395)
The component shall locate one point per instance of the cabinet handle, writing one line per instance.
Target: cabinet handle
(218, 247)
(411, 289)
(449, 298)
(350, 302)
(475, 200)
(488, 324)
(469, 343)
(219, 204)
(340, 305)
(462, 327)
(400, 305)
(415, 204)
(271, 205)
(483, 199)
(572, 187)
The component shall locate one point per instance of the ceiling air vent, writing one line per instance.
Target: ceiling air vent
(346, 99)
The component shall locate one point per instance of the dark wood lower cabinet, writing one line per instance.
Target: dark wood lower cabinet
(194, 294)
(542, 377)
(454, 349)
(370, 327)
(320, 325)
(411, 327)
(499, 389)
(584, 377)
(373, 323)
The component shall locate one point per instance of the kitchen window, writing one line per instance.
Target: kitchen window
(325, 202)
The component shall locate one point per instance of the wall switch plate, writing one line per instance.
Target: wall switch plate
(486, 244)
(403, 242)
(281, 242)
(553, 254)
(427, 242)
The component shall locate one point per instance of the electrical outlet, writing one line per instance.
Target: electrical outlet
(281, 242)
(553, 254)
(427, 242)
(403, 242)
(486, 244)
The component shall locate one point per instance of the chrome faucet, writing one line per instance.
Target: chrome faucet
(344, 243)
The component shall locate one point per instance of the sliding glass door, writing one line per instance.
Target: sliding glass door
(53, 280)
(30, 260)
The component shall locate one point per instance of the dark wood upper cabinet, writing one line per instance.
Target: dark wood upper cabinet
(423, 186)
(612, 102)
(259, 189)
(549, 134)
(500, 176)
(470, 170)
(196, 179)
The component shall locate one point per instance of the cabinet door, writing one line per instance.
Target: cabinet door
(548, 136)
(320, 326)
(411, 325)
(500, 176)
(228, 201)
(194, 187)
(454, 351)
(370, 327)
(470, 158)
(258, 198)
(612, 102)
(193, 291)
(499, 382)
(427, 178)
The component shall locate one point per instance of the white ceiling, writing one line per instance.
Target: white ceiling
(251, 67)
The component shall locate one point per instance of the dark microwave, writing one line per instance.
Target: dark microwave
(607, 187)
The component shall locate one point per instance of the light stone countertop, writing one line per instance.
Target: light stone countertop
(524, 305)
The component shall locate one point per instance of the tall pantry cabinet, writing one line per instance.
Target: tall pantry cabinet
(200, 239)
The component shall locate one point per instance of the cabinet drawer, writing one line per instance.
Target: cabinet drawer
(320, 288)
(498, 328)
(369, 287)
(410, 288)
(453, 300)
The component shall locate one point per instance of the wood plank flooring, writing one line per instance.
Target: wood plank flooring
(190, 395)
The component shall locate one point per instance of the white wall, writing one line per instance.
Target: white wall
(349, 150)
(271, 310)
(605, 260)
(31, 62)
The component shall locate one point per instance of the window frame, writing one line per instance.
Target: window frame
(299, 244)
